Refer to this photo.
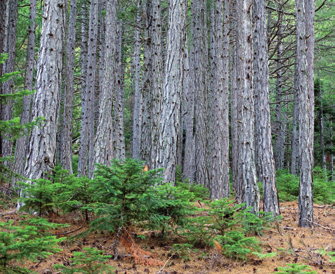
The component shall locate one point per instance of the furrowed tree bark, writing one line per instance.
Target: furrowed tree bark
(66, 148)
(247, 171)
(84, 133)
(189, 158)
(104, 136)
(21, 143)
(137, 113)
(42, 142)
(279, 123)
(234, 100)
(3, 9)
(305, 198)
(9, 66)
(220, 154)
(157, 72)
(119, 147)
(173, 81)
(146, 90)
(264, 152)
(91, 79)
(199, 65)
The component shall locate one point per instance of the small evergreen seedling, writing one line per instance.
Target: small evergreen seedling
(295, 269)
(90, 261)
(18, 244)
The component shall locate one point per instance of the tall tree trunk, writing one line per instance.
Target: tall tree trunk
(137, 114)
(233, 101)
(21, 143)
(69, 90)
(147, 108)
(157, 72)
(9, 66)
(199, 65)
(305, 199)
(173, 83)
(279, 140)
(84, 133)
(3, 9)
(295, 156)
(188, 87)
(331, 164)
(264, 151)
(119, 142)
(104, 136)
(247, 171)
(42, 142)
(91, 79)
(220, 155)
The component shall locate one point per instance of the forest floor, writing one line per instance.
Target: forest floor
(282, 239)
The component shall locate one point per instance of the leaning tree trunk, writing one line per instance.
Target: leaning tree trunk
(220, 154)
(9, 65)
(247, 171)
(265, 161)
(42, 142)
(66, 148)
(173, 83)
(305, 199)
(104, 136)
(22, 142)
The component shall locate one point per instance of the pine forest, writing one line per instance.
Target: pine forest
(167, 136)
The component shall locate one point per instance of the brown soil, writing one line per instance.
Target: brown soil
(156, 251)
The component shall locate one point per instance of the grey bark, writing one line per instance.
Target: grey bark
(104, 136)
(9, 66)
(188, 87)
(66, 160)
(102, 45)
(146, 90)
(170, 119)
(220, 154)
(137, 113)
(264, 152)
(247, 171)
(91, 79)
(42, 142)
(331, 164)
(233, 101)
(3, 9)
(279, 123)
(157, 72)
(305, 198)
(199, 65)
(119, 142)
(295, 157)
(21, 143)
(84, 133)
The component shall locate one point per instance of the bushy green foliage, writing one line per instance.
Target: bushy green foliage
(124, 195)
(29, 242)
(288, 187)
(295, 269)
(89, 261)
(12, 129)
(62, 192)
(236, 245)
(184, 251)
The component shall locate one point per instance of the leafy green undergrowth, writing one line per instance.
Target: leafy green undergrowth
(288, 187)
(295, 269)
(29, 241)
